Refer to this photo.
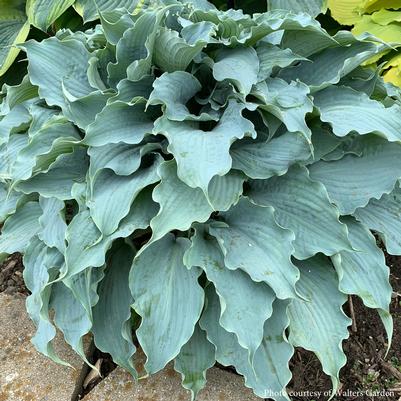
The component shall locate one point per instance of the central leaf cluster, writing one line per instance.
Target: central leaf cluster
(207, 177)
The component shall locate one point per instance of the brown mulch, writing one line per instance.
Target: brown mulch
(11, 280)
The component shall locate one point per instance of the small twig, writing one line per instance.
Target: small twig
(93, 375)
(391, 370)
(351, 309)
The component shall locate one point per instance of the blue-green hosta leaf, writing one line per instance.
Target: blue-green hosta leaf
(97, 69)
(225, 191)
(83, 111)
(201, 4)
(254, 306)
(352, 181)
(239, 65)
(219, 97)
(193, 32)
(345, 146)
(50, 69)
(364, 272)
(84, 288)
(134, 49)
(16, 120)
(42, 13)
(147, 36)
(62, 147)
(120, 122)
(83, 250)
(194, 359)
(9, 201)
(112, 329)
(52, 223)
(328, 67)
(90, 9)
(131, 91)
(57, 182)
(122, 158)
(230, 24)
(180, 205)
(14, 29)
(312, 7)
(84, 247)
(252, 241)
(79, 192)
(41, 266)
(115, 23)
(202, 155)
(175, 53)
(324, 142)
(173, 91)
(9, 152)
(365, 80)
(288, 102)
(384, 216)
(20, 227)
(271, 56)
(42, 116)
(269, 374)
(44, 142)
(327, 323)
(79, 294)
(304, 207)
(302, 33)
(67, 310)
(159, 274)
(112, 195)
(306, 43)
(338, 106)
(16, 95)
(267, 159)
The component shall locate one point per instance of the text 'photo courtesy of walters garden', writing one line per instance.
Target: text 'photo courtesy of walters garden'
(208, 183)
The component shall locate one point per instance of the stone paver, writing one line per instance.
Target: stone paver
(26, 375)
(166, 386)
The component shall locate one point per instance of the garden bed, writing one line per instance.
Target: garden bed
(368, 371)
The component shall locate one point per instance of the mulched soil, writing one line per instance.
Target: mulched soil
(11, 280)
(368, 376)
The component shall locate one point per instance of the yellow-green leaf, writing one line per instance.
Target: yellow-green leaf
(374, 5)
(389, 33)
(385, 17)
(346, 12)
(14, 29)
(42, 13)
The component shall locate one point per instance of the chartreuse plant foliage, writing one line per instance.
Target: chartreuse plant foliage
(17, 16)
(205, 181)
(380, 18)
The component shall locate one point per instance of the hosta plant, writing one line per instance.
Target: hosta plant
(17, 17)
(205, 183)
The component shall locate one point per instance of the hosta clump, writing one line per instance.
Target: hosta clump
(206, 181)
